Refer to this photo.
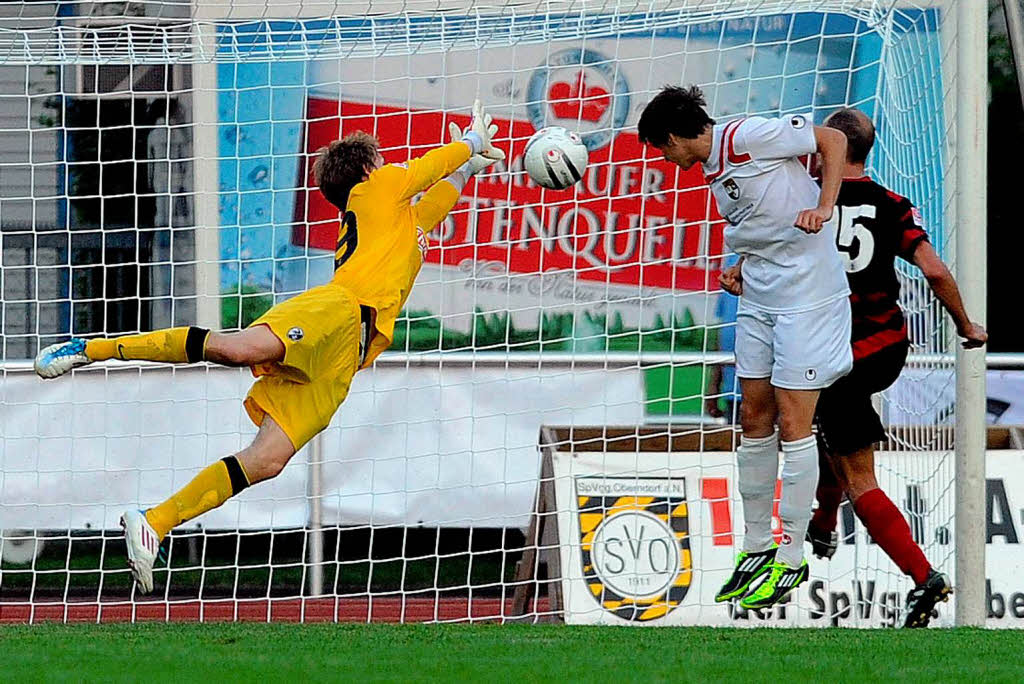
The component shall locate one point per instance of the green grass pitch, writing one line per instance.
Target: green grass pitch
(521, 653)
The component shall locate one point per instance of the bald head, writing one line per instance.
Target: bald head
(859, 131)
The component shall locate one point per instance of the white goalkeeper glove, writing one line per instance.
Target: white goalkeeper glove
(478, 135)
(478, 162)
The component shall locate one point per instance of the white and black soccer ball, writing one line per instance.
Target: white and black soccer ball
(555, 158)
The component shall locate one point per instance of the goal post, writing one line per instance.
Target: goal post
(156, 157)
(971, 271)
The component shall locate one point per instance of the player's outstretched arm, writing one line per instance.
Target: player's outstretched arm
(423, 172)
(945, 288)
(832, 147)
(442, 196)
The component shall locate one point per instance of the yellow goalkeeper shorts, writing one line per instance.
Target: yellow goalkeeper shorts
(320, 330)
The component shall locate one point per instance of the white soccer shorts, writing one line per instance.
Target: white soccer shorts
(803, 351)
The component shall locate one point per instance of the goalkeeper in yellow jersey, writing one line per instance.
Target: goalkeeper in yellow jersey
(305, 351)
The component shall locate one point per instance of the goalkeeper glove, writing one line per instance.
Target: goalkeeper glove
(478, 162)
(479, 133)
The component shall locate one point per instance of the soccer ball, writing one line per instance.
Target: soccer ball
(555, 158)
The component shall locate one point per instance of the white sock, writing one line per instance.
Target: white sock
(757, 462)
(799, 480)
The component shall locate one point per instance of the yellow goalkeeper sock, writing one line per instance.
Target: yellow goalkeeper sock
(181, 345)
(214, 485)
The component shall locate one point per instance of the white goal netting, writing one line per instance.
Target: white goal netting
(155, 164)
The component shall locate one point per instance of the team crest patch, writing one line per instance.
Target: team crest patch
(295, 334)
(635, 544)
(421, 240)
(731, 188)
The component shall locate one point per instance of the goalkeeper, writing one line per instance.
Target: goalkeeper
(305, 351)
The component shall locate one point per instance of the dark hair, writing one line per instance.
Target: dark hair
(342, 164)
(675, 110)
(859, 132)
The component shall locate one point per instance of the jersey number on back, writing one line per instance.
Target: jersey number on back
(348, 239)
(855, 242)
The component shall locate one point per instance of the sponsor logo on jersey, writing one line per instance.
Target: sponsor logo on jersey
(797, 122)
(295, 334)
(915, 214)
(786, 540)
(635, 544)
(421, 240)
(731, 188)
(580, 90)
(811, 374)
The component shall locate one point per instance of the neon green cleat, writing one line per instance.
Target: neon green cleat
(781, 580)
(749, 566)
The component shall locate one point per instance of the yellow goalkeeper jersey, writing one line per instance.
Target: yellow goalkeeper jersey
(382, 239)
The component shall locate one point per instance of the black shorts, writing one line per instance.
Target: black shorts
(847, 422)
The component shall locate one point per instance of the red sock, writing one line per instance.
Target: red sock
(890, 530)
(829, 496)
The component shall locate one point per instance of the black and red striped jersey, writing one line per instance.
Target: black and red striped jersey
(873, 227)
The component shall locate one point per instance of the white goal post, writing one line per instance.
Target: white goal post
(971, 271)
(157, 161)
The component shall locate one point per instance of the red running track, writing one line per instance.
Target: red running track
(389, 609)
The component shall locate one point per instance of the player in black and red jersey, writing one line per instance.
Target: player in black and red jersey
(875, 225)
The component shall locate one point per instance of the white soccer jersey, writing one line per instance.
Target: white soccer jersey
(760, 187)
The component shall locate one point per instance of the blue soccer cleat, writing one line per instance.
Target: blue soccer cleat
(58, 359)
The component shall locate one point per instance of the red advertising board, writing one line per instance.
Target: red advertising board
(631, 220)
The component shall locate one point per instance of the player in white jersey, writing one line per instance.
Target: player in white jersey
(793, 322)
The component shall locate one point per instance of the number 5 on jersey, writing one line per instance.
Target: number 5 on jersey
(855, 242)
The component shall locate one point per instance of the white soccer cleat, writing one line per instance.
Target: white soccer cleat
(58, 359)
(143, 548)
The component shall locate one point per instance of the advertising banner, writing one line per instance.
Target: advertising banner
(625, 260)
(648, 539)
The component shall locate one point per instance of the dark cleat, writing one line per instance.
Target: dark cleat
(823, 544)
(922, 599)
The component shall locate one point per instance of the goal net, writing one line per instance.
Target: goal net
(156, 165)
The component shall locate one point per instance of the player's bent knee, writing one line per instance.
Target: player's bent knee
(228, 349)
(794, 432)
(265, 468)
(247, 348)
(756, 421)
(795, 425)
(274, 467)
(262, 463)
(859, 482)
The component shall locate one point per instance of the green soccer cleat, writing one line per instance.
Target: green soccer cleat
(781, 580)
(749, 566)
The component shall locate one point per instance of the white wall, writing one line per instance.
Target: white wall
(409, 446)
